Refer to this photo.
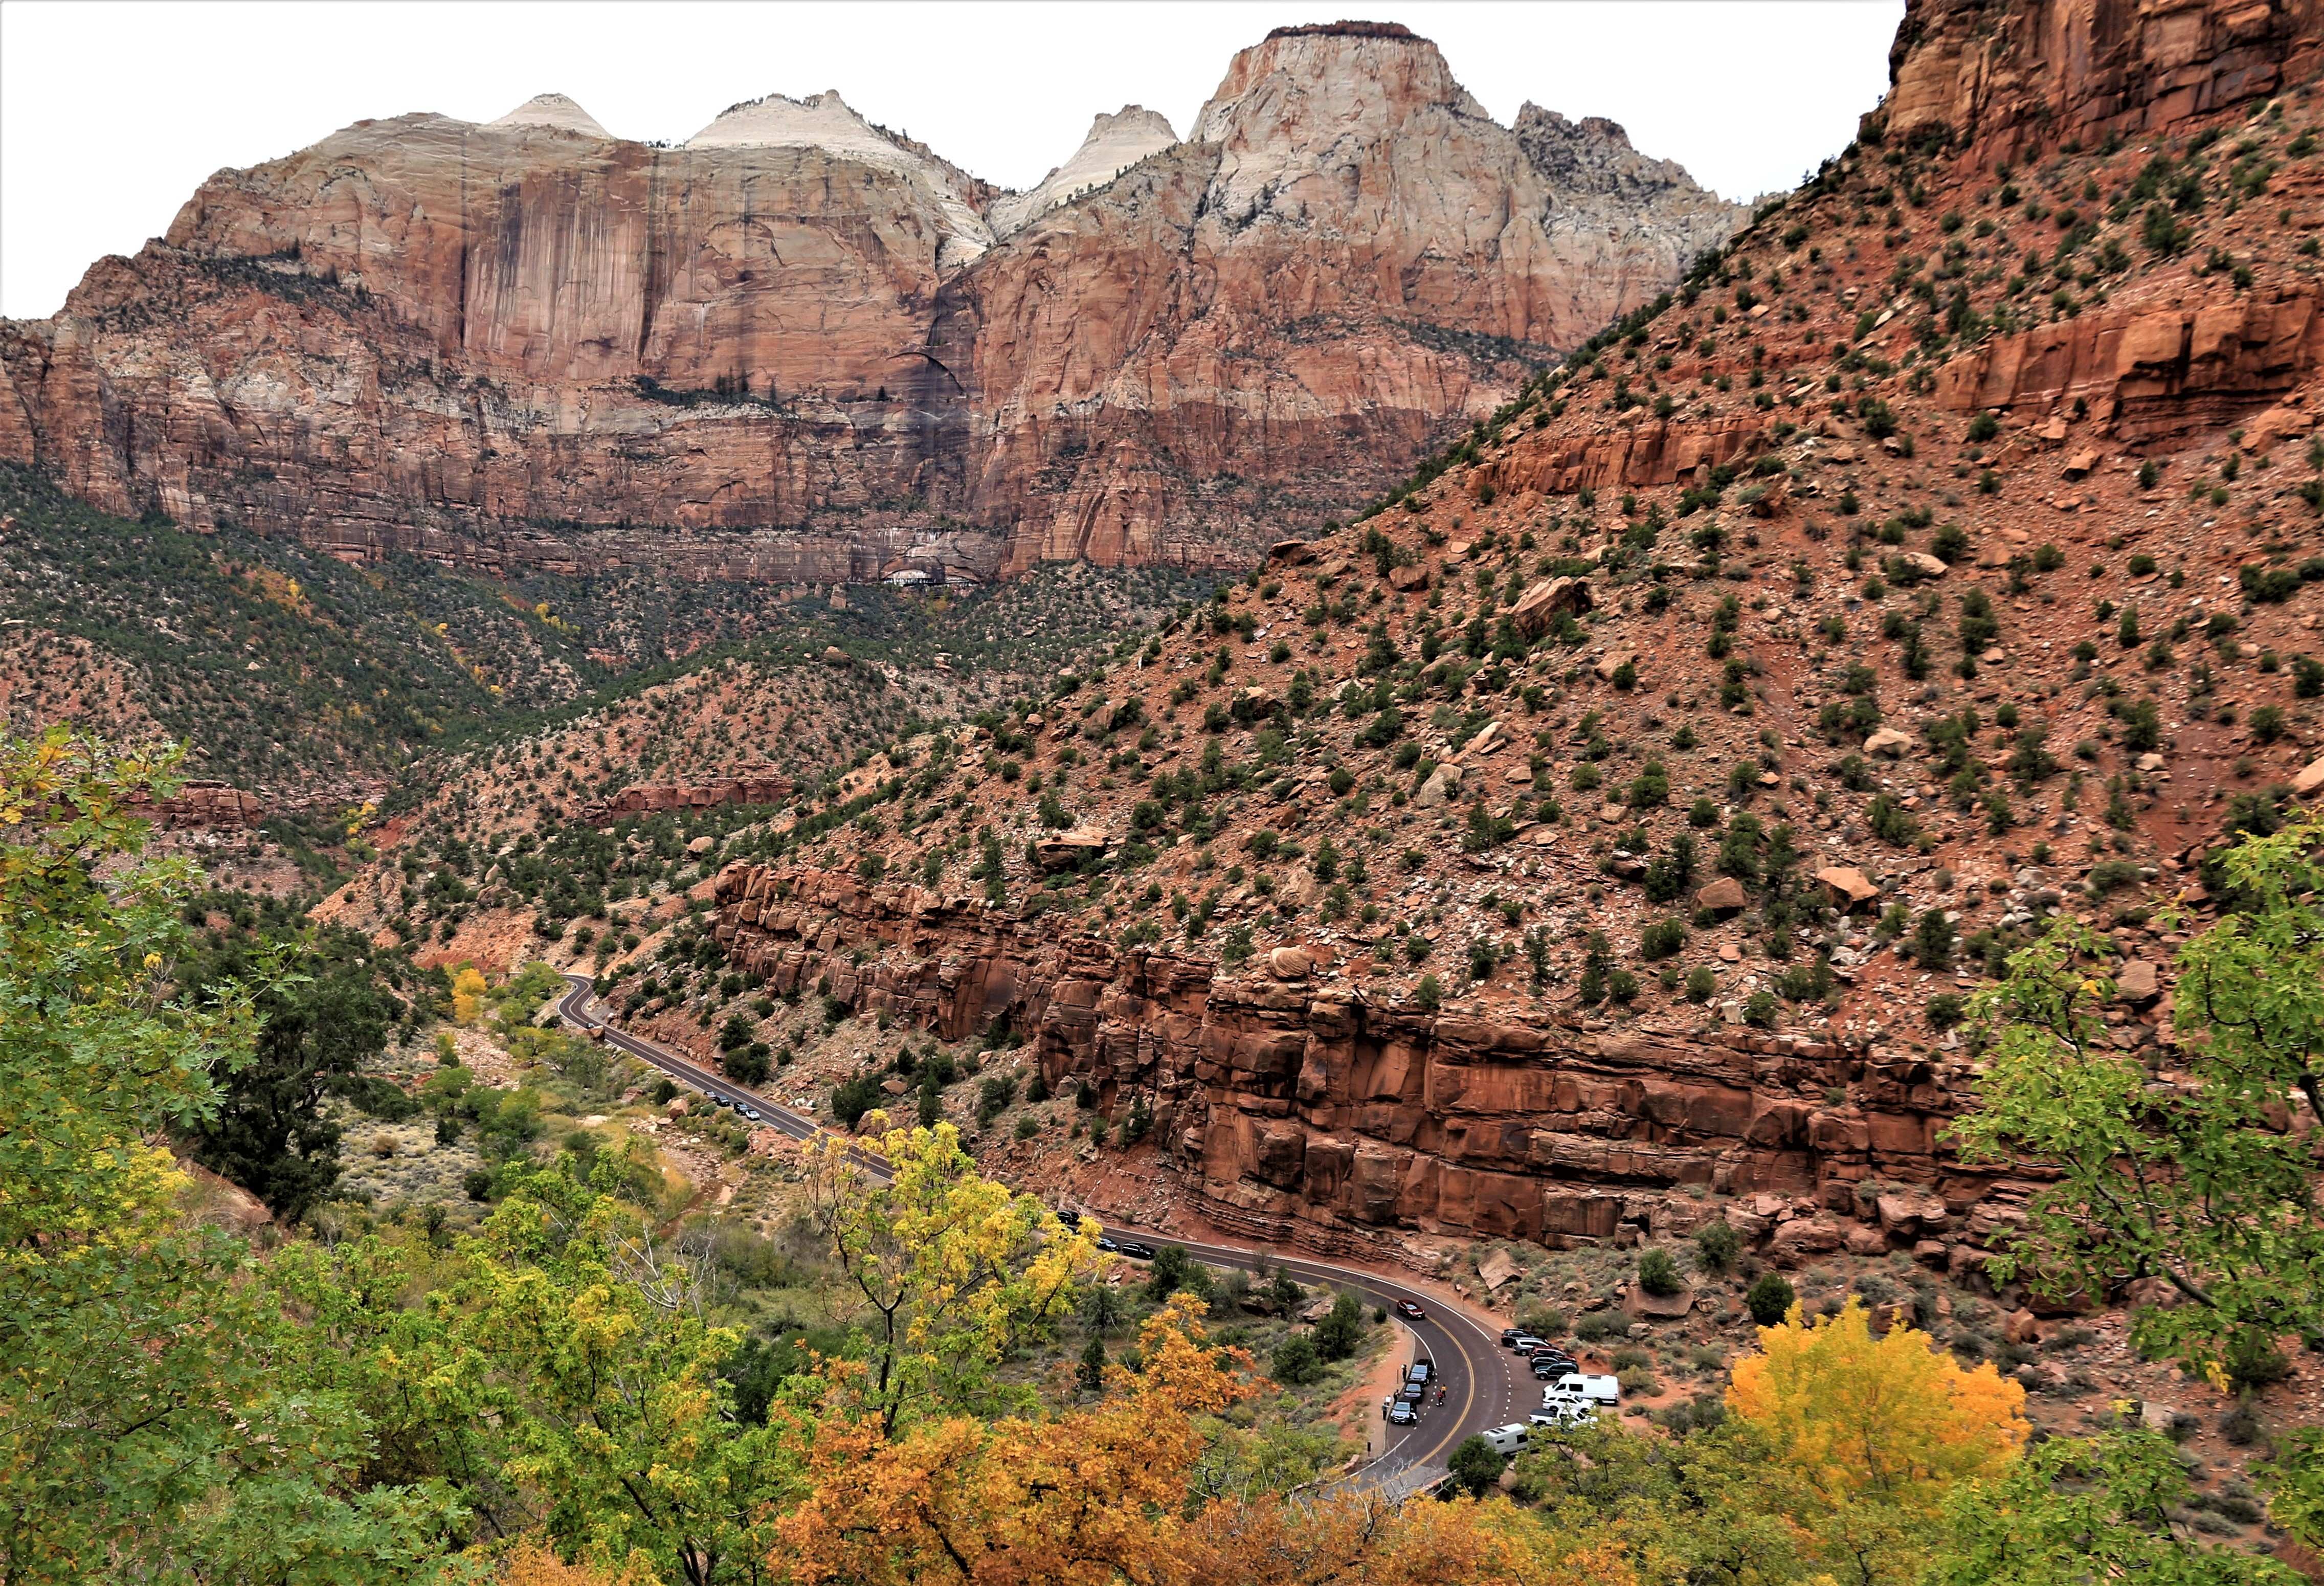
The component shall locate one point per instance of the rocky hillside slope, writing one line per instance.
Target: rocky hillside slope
(1613, 822)
(801, 347)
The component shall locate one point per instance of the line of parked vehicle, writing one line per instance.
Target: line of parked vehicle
(1404, 1409)
(1571, 1397)
(742, 1108)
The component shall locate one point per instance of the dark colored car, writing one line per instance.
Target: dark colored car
(1108, 1246)
(1410, 1312)
(1402, 1414)
(1135, 1251)
(1509, 1336)
(1412, 1393)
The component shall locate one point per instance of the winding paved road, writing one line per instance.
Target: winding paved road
(1486, 1385)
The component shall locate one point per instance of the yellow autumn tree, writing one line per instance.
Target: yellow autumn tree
(1877, 1432)
(532, 1562)
(467, 994)
(953, 1271)
(1354, 1537)
(1893, 1416)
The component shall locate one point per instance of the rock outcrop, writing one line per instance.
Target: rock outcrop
(2008, 83)
(804, 347)
(758, 784)
(1306, 1112)
(213, 805)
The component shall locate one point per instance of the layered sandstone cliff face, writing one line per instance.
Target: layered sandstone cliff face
(1307, 1111)
(802, 347)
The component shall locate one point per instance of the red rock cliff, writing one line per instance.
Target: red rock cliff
(1302, 1111)
(530, 342)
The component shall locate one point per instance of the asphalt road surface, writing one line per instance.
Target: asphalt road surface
(1485, 1384)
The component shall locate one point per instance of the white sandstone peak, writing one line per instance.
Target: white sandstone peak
(1115, 143)
(819, 121)
(556, 110)
(825, 121)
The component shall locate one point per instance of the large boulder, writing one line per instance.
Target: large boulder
(1442, 784)
(1804, 1237)
(1067, 849)
(1542, 601)
(1657, 1307)
(1848, 887)
(1723, 896)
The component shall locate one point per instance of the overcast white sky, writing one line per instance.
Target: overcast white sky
(112, 114)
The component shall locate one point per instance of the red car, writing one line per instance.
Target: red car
(1410, 1312)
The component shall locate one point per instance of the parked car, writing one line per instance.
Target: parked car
(1411, 1393)
(1417, 1372)
(1401, 1413)
(1410, 1312)
(1526, 1343)
(1550, 1367)
(1509, 1439)
(1509, 1336)
(752, 1113)
(716, 1099)
(1564, 1414)
(1135, 1251)
(1108, 1246)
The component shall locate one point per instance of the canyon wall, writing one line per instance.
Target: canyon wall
(800, 347)
(1302, 1111)
(2008, 83)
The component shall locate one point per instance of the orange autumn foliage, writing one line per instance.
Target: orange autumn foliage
(1357, 1538)
(1892, 1419)
(1101, 1496)
(531, 1563)
(1080, 1500)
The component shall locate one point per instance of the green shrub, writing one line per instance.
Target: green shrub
(1769, 1299)
(1717, 1246)
(1658, 1274)
(1296, 1362)
(1597, 1326)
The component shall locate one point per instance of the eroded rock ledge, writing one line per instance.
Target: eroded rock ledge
(1300, 1110)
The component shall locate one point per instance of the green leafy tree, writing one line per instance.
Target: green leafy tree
(2077, 1510)
(2200, 1185)
(1341, 1329)
(319, 1018)
(1768, 1299)
(155, 1403)
(1296, 1361)
(1476, 1465)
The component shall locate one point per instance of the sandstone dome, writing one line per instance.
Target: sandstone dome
(1115, 143)
(556, 110)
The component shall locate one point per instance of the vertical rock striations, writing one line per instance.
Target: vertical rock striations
(530, 342)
